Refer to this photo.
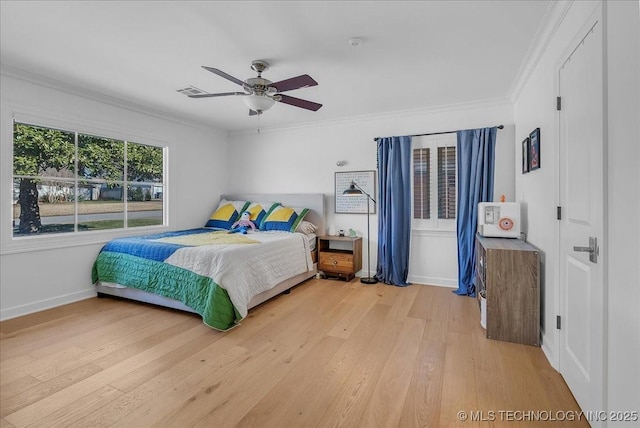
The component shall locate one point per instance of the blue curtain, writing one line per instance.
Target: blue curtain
(476, 164)
(394, 209)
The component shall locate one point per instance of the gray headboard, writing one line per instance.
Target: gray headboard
(313, 201)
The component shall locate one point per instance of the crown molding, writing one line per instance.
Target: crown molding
(58, 85)
(551, 21)
(492, 102)
(47, 82)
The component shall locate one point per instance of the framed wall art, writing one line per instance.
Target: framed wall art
(534, 150)
(347, 204)
(525, 155)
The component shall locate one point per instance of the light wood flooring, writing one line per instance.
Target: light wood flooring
(329, 354)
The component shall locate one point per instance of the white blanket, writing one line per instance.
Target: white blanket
(249, 269)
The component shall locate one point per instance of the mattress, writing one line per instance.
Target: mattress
(214, 273)
(311, 237)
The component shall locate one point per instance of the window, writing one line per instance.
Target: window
(434, 182)
(69, 182)
(421, 183)
(447, 182)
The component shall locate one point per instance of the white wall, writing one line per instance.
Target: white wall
(303, 159)
(535, 107)
(538, 190)
(35, 280)
(623, 102)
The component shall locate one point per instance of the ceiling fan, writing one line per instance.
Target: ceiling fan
(260, 94)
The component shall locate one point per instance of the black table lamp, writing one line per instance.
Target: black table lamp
(355, 190)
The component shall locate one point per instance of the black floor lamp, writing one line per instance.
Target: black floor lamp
(355, 190)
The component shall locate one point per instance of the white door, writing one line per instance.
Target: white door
(581, 183)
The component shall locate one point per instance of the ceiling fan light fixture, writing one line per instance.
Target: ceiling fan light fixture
(258, 103)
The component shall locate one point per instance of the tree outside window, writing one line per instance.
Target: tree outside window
(65, 181)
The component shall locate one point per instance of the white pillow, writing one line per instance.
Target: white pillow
(306, 227)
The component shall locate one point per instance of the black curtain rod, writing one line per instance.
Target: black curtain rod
(437, 133)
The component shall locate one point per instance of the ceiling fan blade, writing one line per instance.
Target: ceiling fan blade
(225, 75)
(221, 94)
(302, 81)
(297, 102)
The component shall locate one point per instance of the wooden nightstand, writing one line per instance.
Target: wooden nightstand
(340, 256)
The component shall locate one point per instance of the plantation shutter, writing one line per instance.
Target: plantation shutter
(447, 182)
(421, 183)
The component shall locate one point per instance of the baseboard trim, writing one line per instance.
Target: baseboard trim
(551, 357)
(429, 280)
(30, 308)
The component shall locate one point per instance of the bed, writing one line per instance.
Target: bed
(218, 275)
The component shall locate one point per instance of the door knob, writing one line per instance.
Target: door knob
(592, 249)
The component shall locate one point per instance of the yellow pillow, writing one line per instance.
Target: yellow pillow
(284, 218)
(259, 210)
(226, 214)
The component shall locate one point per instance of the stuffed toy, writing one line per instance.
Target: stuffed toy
(243, 224)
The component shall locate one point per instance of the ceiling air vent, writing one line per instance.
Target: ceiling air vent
(191, 90)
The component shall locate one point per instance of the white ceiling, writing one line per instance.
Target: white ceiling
(414, 55)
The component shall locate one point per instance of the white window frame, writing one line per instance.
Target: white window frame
(9, 243)
(432, 142)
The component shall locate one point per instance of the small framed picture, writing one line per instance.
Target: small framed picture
(525, 155)
(534, 150)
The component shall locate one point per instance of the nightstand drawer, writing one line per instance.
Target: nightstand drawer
(336, 262)
(339, 256)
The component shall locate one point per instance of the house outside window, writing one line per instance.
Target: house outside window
(434, 182)
(65, 181)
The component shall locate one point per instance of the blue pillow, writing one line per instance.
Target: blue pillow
(226, 214)
(284, 219)
(260, 210)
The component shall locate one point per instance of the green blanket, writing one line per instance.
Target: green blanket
(145, 270)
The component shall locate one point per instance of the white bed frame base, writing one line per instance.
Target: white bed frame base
(155, 299)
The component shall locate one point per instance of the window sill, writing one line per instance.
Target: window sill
(57, 241)
(433, 232)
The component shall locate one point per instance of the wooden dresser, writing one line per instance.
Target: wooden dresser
(339, 256)
(508, 273)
